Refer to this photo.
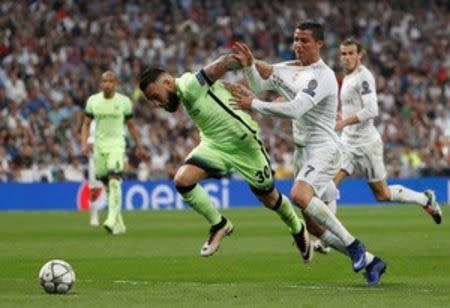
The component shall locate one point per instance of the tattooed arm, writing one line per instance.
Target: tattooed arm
(218, 68)
(258, 76)
(264, 69)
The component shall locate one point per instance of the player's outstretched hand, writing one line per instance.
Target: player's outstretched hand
(242, 101)
(236, 88)
(340, 124)
(243, 54)
(142, 154)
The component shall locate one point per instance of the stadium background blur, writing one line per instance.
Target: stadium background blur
(52, 54)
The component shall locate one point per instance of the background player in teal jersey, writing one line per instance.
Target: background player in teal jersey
(110, 110)
(228, 141)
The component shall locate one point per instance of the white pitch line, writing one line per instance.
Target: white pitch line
(231, 284)
(132, 282)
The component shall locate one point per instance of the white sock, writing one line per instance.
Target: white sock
(402, 194)
(93, 206)
(332, 240)
(332, 205)
(322, 214)
(331, 193)
(369, 258)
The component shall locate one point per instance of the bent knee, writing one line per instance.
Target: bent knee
(298, 198)
(181, 180)
(184, 179)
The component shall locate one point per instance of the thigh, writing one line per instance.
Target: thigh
(348, 161)
(253, 164)
(209, 159)
(297, 159)
(100, 164)
(319, 166)
(371, 162)
(93, 182)
(115, 161)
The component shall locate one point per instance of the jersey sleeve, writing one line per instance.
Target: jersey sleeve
(293, 109)
(319, 87)
(256, 82)
(190, 86)
(89, 110)
(128, 109)
(367, 91)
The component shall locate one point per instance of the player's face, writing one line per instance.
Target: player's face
(350, 58)
(306, 48)
(108, 84)
(163, 94)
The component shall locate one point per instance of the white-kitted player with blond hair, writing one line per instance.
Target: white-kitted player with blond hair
(363, 143)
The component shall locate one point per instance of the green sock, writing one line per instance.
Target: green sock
(114, 201)
(288, 216)
(198, 199)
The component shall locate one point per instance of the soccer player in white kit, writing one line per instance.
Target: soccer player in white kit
(311, 92)
(363, 144)
(95, 186)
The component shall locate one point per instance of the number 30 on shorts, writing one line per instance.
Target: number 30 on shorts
(263, 175)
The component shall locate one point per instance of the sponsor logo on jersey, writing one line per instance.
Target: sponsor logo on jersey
(279, 82)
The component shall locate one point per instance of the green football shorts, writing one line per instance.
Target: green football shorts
(107, 162)
(251, 161)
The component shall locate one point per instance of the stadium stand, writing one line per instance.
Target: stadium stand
(52, 54)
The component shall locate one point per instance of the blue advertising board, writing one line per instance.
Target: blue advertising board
(161, 194)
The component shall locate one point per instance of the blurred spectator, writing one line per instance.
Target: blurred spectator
(52, 59)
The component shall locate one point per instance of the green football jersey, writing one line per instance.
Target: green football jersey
(208, 105)
(110, 116)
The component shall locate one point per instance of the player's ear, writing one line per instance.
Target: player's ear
(320, 43)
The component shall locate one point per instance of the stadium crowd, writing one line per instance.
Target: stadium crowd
(52, 54)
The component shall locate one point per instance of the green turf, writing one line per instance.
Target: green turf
(157, 263)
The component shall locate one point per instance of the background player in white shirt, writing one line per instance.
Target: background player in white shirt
(363, 144)
(95, 186)
(310, 89)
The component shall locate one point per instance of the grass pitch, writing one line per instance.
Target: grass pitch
(157, 263)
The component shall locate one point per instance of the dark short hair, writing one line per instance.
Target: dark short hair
(148, 76)
(315, 27)
(353, 41)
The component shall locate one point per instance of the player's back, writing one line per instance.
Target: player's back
(210, 110)
(358, 85)
(109, 115)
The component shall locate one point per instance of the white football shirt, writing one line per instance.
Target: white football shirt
(359, 97)
(312, 95)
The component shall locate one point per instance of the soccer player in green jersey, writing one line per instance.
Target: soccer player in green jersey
(110, 110)
(229, 140)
